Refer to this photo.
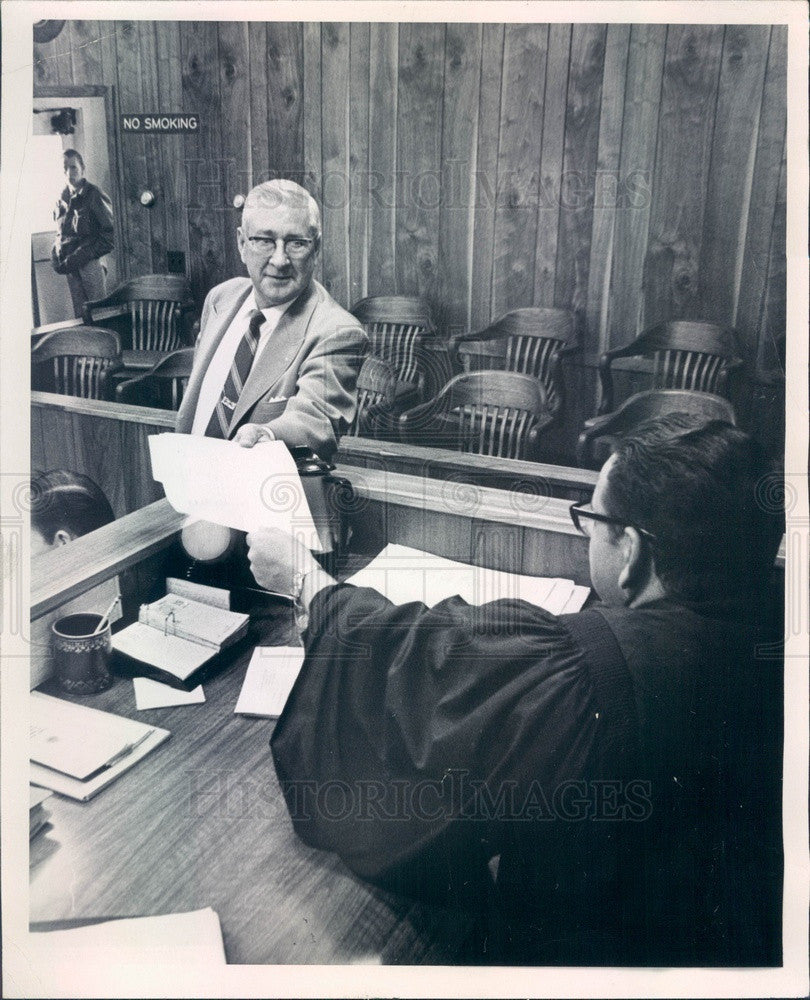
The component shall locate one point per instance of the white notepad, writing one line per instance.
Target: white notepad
(270, 677)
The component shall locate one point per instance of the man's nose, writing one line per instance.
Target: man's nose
(279, 255)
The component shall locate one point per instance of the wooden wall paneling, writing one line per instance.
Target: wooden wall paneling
(141, 488)
(686, 126)
(443, 534)
(770, 148)
(645, 64)
(85, 52)
(607, 186)
(234, 101)
(313, 100)
(335, 138)
(728, 194)
(283, 86)
(462, 72)
(59, 447)
(497, 546)
(133, 170)
(525, 54)
(544, 552)
(551, 163)
(259, 91)
(773, 325)
(486, 174)
(46, 68)
(205, 217)
(382, 158)
(579, 167)
(153, 145)
(173, 191)
(419, 142)
(97, 452)
(37, 441)
(356, 185)
(108, 50)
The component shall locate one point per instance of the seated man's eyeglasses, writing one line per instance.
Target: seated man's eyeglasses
(293, 246)
(582, 512)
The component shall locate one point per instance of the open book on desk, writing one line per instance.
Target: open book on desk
(77, 751)
(178, 635)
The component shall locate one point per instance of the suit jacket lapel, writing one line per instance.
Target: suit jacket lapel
(277, 355)
(220, 322)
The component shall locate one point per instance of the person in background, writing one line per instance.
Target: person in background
(84, 233)
(277, 357)
(65, 505)
(618, 769)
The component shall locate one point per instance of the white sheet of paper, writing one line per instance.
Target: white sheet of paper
(173, 937)
(270, 676)
(149, 645)
(153, 694)
(241, 488)
(406, 574)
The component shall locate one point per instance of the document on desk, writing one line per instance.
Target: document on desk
(171, 938)
(404, 574)
(270, 677)
(241, 488)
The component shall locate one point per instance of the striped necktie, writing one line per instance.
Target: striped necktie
(219, 423)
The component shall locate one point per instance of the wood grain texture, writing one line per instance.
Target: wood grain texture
(521, 131)
(85, 52)
(172, 186)
(382, 158)
(685, 129)
(280, 77)
(728, 194)
(358, 162)
(234, 100)
(335, 150)
(313, 117)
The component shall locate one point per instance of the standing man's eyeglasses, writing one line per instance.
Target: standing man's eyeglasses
(293, 246)
(582, 511)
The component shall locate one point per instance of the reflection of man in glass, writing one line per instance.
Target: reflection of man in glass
(84, 233)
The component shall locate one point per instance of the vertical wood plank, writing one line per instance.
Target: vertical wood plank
(742, 72)
(153, 145)
(358, 138)
(62, 59)
(85, 52)
(37, 441)
(335, 139)
(525, 53)
(551, 163)
(770, 146)
(486, 174)
(283, 86)
(462, 70)
(133, 171)
(773, 325)
(382, 158)
(173, 188)
(205, 223)
(419, 139)
(686, 125)
(235, 135)
(312, 100)
(607, 186)
(579, 167)
(259, 93)
(46, 70)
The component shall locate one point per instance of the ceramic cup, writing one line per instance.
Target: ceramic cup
(82, 659)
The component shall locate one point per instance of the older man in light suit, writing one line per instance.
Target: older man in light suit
(277, 357)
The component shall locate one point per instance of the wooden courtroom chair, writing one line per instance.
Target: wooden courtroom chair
(156, 308)
(532, 341)
(685, 354)
(396, 325)
(78, 361)
(376, 387)
(489, 413)
(643, 406)
(163, 386)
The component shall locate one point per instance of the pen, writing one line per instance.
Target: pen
(127, 750)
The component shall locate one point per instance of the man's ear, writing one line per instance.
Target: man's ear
(62, 537)
(634, 572)
(240, 243)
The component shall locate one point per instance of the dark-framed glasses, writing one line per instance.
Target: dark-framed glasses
(582, 512)
(294, 247)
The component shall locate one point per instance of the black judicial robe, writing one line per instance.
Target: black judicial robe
(622, 766)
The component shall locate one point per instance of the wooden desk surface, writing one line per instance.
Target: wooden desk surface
(202, 822)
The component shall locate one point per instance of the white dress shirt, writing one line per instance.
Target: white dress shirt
(214, 379)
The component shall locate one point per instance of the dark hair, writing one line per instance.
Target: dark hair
(62, 500)
(76, 153)
(708, 493)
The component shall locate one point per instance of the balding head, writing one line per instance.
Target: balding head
(273, 193)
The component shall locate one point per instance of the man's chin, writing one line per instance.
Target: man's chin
(276, 292)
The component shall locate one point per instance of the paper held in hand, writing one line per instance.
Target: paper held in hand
(241, 488)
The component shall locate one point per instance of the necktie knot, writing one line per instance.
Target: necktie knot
(256, 320)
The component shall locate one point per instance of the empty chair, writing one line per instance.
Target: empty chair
(685, 354)
(488, 413)
(163, 385)
(533, 341)
(77, 362)
(376, 386)
(395, 325)
(643, 406)
(156, 307)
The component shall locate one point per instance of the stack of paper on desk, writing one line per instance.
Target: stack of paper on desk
(404, 574)
(269, 679)
(77, 751)
(37, 813)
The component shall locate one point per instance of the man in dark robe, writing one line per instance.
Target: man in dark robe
(600, 788)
